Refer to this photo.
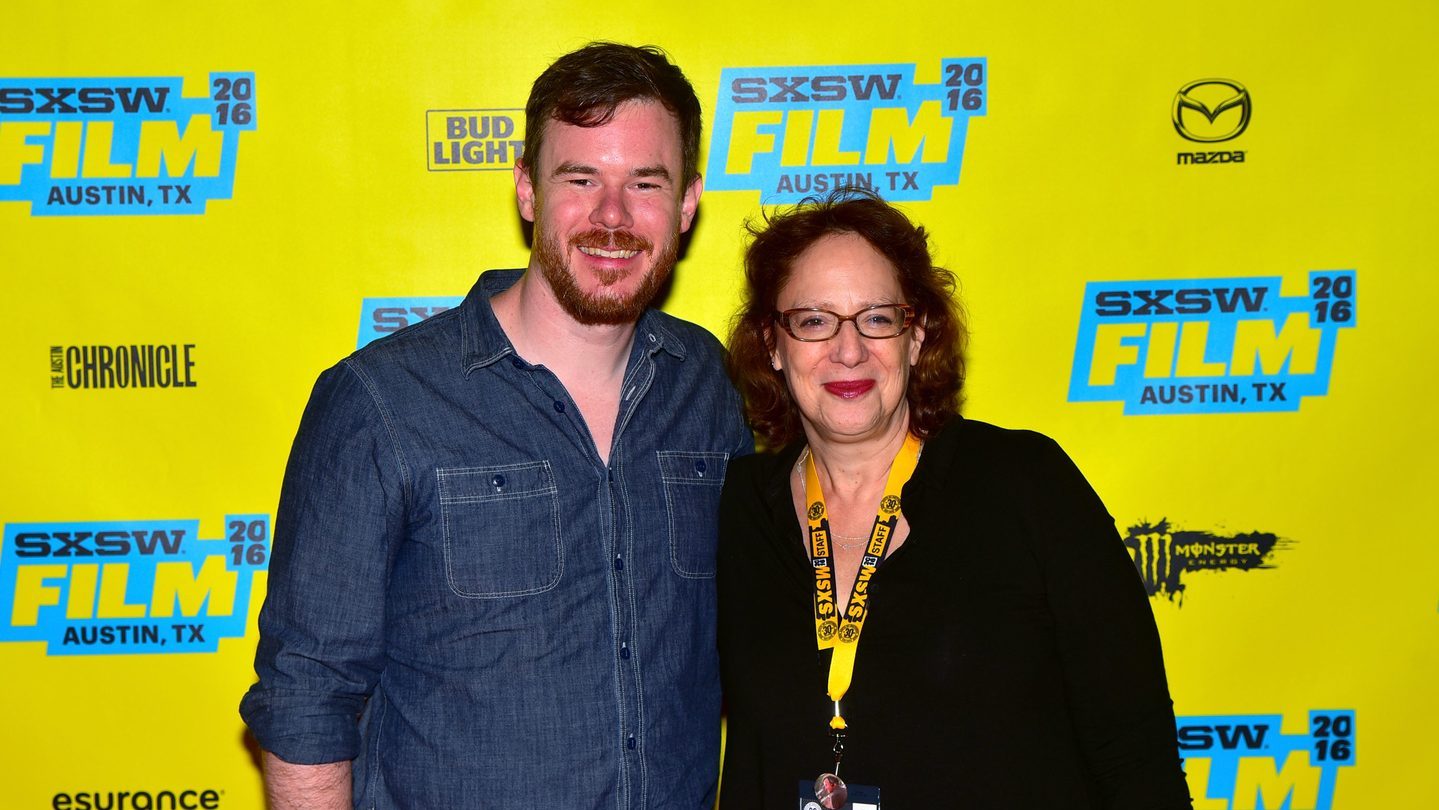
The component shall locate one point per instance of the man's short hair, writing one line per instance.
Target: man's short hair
(584, 87)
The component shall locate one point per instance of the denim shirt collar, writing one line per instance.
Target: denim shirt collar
(483, 341)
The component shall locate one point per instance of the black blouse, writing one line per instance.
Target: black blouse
(1009, 659)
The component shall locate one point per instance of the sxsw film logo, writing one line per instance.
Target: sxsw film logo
(384, 316)
(1164, 555)
(134, 586)
(1211, 111)
(105, 146)
(474, 140)
(1244, 762)
(1212, 345)
(793, 132)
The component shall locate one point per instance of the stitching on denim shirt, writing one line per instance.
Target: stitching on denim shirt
(380, 405)
(373, 772)
(643, 374)
(670, 341)
(669, 479)
(551, 490)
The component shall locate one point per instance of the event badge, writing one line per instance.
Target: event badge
(819, 795)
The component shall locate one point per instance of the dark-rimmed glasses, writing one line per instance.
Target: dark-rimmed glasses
(879, 322)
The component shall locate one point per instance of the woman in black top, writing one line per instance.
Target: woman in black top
(946, 600)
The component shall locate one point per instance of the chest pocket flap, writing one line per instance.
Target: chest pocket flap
(502, 529)
(692, 482)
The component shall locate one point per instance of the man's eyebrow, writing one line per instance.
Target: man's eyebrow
(652, 171)
(571, 167)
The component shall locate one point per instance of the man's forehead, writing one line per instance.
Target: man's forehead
(620, 127)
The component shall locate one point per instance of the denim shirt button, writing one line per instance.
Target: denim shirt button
(498, 481)
(700, 467)
(625, 650)
(631, 742)
(619, 563)
(559, 406)
(517, 362)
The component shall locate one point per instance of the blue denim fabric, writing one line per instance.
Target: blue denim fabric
(513, 621)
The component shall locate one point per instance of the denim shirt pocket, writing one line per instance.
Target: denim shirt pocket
(502, 529)
(692, 481)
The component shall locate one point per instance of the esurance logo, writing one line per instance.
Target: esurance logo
(121, 587)
(1164, 555)
(104, 146)
(1243, 762)
(1216, 345)
(793, 132)
(474, 140)
(384, 316)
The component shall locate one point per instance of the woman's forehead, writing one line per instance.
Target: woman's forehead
(840, 269)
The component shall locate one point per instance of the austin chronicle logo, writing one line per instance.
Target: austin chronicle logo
(1199, 106)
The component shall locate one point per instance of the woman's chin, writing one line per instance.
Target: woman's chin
(849, 430)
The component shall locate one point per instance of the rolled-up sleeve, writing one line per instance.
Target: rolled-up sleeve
(341, 518)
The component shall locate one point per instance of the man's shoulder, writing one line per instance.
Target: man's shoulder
(683, 338)
(463, 334)
(426, 343)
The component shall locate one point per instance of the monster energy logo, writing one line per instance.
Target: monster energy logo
(1163, 554)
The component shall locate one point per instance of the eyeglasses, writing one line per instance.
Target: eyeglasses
(879, 322)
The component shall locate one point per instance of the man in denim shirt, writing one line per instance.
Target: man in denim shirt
(495, 542)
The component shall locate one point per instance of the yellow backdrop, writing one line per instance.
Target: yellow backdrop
(1197, 246)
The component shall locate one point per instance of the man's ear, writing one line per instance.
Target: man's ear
(690, 202)
(524, 190)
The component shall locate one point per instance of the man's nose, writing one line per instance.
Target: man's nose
(611, 210)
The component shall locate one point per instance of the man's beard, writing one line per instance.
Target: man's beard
(594, 309)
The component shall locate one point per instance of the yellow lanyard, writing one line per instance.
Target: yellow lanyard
(841, 631)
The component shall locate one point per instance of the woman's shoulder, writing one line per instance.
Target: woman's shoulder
(975, 441)
(761, 473)
(1024, 464)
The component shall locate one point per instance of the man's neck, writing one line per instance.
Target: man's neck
(588, 360)
(543, 333)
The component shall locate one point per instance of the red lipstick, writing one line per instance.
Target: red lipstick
(848, 389)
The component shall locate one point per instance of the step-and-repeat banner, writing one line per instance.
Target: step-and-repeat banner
(1197, 245)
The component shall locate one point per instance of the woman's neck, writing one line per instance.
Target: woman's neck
(850, 468)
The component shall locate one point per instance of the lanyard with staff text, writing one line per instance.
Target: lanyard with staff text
(841, 631)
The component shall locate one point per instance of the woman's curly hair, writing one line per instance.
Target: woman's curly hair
(779, 240)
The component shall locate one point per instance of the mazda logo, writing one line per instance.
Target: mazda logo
(1210, 98)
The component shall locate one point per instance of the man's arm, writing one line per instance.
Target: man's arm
(306, 787)
(321, 647)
